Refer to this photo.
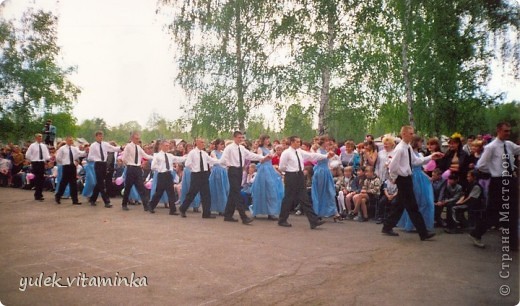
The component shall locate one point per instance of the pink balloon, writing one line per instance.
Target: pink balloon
(148, 185)
(30, 176)
(430, 166)
(119, 181)
(446, 174)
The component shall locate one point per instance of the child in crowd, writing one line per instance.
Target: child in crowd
(246, 186)
(357, 184)
(388, 200)
(452, 194)
(438, 185)
(344, 187)
(472, 201)
(370, 191)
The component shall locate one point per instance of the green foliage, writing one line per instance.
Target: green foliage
(88, 128)
(298, 122)
(33, 85)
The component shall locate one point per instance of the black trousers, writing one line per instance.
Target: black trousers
(295, 191)
(406, 200)
(164, 184)
(235, 200)
(100, 168)
(134, 177)
(502, 208)
(68, 177)
(38, 169)
(199, 183)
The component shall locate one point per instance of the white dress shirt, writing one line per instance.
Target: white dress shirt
(63, 156)
(33, 152)
(95, 155)
(230, 156)
(400, 162)
(193, 160)
(129, 154)
(159, 162)
(492, 159)
(289, 161)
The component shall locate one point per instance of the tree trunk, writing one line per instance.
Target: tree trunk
(326, 74)
(406, 77)
(240, 68)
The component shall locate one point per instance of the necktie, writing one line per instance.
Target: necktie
(299, 162)
(71, 157)
(41, 153)
(410, 158)
(167, 161)
(201, 162)
(509, 166)
(101, 152)
(240, 156)
(136, 159)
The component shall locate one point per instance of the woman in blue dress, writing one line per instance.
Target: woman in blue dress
(218, 180)
(90, 179)
(423, 191)
(323, 190)
(267, 190)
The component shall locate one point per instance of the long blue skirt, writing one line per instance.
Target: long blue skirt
(164, 197)
(186, 178)
(66, 193)
(219, 188)
(267, 190)
(323, 191)
(90, 180)
(423, 191)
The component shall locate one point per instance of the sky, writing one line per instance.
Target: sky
(125, 58)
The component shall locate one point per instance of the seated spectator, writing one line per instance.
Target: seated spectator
(369, 194)
(344, 187)
(452, 194)
(357, 185)
(388, 199)
(438, 185)
(5, 170)
(472, 201)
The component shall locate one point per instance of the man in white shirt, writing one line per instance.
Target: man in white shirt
(400, 170)
(38, 154)
(65, 156)
(98, 154)
(498, 159)
(163, 163)
(235, 156)
(199, 161)
(291, 162)
(134, 173)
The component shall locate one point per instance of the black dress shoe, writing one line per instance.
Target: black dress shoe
(183, 214)
(152, 211)
(231, 219)
(146, 208)
(285, 224)
(209, 217)
(108, 205)
(40, 199)
(57, 199)
(428, 236)
(126, 208)
(76, 203)
(247, 220)
(92, 203)
(318, 223)
(389, 232)
(272, 218)
(174, 213)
